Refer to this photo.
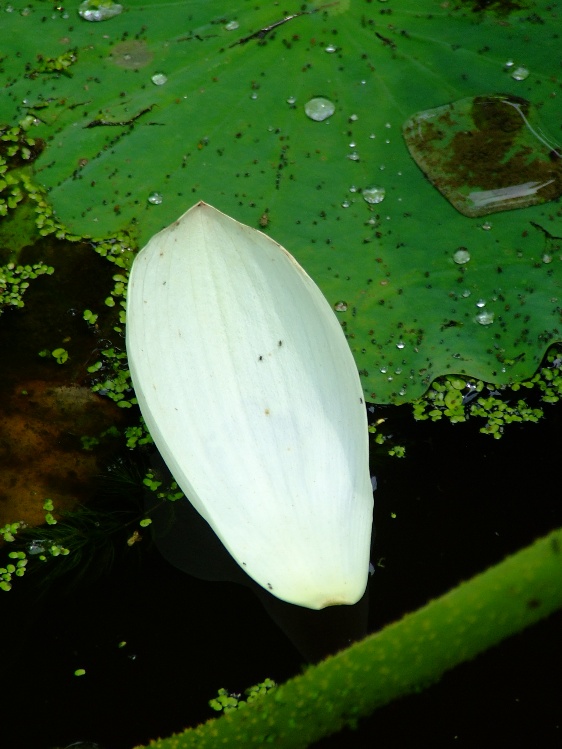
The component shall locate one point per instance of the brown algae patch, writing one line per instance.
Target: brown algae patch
(486, 154)
(131, 55)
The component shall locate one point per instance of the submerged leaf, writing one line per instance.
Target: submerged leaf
(251, 393)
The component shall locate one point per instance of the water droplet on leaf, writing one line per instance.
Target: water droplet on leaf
(159, 79)
(155, 198)
(99, 10)
(319, 108)
(232, 26)
(340, 306)
(520, 73)
(373, 194)
(461, 257)
(484, 318)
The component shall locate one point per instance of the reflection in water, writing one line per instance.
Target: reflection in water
(187, 542)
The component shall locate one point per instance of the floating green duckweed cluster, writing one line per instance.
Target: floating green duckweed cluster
(37, 549)
(14, 281)
(228, 701)
(457, 398)
(171, 493)
(114, 378)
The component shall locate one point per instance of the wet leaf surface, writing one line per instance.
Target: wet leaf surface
(229, 126)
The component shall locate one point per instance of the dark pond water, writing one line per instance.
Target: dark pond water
(459, 502)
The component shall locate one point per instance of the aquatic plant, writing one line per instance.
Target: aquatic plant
(219, 107)
(401, 659)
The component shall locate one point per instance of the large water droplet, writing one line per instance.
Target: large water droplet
(155, 198)
(486, 154)
(461, 256)
(484, 318)
(319, 108)
(159, 79)
(520, 73)
(99, 10)
(373, 194)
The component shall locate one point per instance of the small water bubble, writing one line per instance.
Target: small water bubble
(372, 136)
(155, 198)
(353, 188)
(509, 64)
(481, 303)
(373, 195)
(461, 256)
(487, 225)
(384, 370)
(484, 318)
(291, 100)
(340, 306)
(319, 108)
(159, 79)
(253, 96)
(520, 73)
(330, 48)
(93, 10)
(36, 547)
(345, 204)
(353, 144)
(466, 293)
(353, 156)
(547, 258)
(231, 26)
(400, 345)
(353, 118)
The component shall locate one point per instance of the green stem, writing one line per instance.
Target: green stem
(403, 658)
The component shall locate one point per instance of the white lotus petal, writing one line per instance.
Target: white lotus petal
(249, 389)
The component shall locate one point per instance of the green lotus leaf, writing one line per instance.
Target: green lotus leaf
(165, 104)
